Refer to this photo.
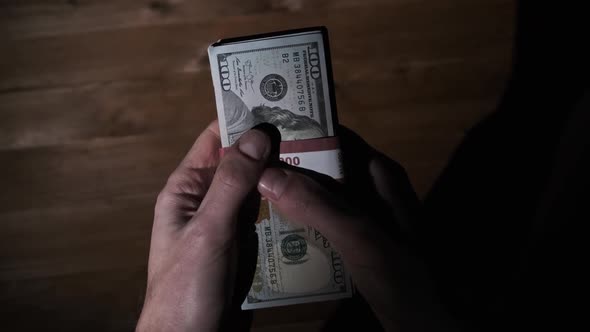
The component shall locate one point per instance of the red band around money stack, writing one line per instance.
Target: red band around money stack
(319, 154)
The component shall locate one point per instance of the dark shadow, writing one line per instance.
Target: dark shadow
(502, 218)
(502, 227)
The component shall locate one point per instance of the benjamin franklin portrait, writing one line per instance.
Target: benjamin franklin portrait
(292, 126)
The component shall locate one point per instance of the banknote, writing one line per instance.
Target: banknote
(284, 79)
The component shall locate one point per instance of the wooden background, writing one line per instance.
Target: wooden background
(100, 99)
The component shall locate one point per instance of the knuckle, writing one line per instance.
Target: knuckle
(164, 199)
(303, 205)
(210, 234)
(184, 181)
(183, 188)
(300, 195)
(232, 175)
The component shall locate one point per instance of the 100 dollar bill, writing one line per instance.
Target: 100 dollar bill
(283, 79)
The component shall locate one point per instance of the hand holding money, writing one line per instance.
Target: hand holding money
(198, 243)
(367, 220)
(194, 259)
(313, 232)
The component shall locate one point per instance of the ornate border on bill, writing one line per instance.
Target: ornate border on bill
(273, 77)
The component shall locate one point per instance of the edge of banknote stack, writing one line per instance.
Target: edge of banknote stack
(285, 78)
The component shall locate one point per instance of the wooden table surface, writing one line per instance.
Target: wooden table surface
(100, 99)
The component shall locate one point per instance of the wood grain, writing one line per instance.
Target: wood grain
(34, 18)
(99, 101)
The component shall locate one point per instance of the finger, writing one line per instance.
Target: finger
(356, 154)
(181, 195)
(394, 188)
(205, 151)
(304, 201)
(186, 186)
(373, 172)
(236, 176)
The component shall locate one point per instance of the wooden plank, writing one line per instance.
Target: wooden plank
(63, 115)
(76, 267)
(97, 301)
(94, 240)
(377, 34)
(94, 172)
(36, 18)
(32, 118)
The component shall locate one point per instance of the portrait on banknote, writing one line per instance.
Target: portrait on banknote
(291, 126)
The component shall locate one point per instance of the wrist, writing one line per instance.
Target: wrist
(177, 317)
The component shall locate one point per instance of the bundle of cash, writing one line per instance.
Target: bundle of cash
(284, 78)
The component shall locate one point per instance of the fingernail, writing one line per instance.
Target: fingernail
(255, 144)
(272, 184)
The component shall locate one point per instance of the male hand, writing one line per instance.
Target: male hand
(368, 220)
(195, 239)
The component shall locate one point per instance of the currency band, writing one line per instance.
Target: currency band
(319, 154)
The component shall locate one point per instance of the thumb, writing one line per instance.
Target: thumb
(303, 201)
(394, 188)
(235, 177)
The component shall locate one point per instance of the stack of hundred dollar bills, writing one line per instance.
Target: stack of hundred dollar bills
(284, 79)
